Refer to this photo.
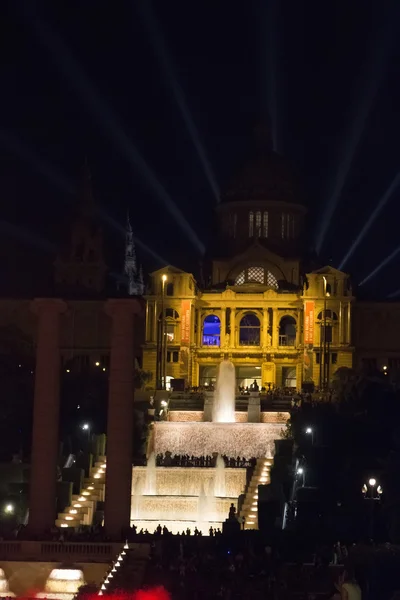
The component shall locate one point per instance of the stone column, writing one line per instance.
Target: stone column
(223, 326)
(155, 323)
(147, 324)
(298, 329)
(348, 336)
(199, 332)
(42, 500)
(340, 341)
(233, 328)
(117, 509)
(275, 328)
(265, 327)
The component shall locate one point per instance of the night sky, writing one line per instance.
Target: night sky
(83, 78)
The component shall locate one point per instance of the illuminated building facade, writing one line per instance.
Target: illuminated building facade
(279, 325)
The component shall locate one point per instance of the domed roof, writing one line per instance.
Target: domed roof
(265, 177)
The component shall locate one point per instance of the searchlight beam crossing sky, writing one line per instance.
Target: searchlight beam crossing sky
(68, 189)
(385, 262)
(171, 80)
(381, 204)
(108, 120)
(372, 75)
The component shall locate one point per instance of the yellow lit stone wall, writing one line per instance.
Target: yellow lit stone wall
(270, 306)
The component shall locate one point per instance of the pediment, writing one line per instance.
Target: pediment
(328, 270)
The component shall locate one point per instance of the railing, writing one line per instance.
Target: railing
(59, 551)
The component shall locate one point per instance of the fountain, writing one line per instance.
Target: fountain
(200, 496)
(206, 508)
(63, 584)
(224, 396)
(150, 484)
(4, 586)
(219, 481)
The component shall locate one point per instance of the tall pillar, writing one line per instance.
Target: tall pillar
(199, 332)
(265, 327)
(233, 327)
(223, 327)
(117, 507)
(155, 323)
(42, 495)
(340, 341)
(147, 324)
(348, 336)
(275, 328)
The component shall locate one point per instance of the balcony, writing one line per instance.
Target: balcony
(287, 340)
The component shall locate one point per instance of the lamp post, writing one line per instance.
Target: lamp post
(163, 352)
(310, 431)
(372, 492)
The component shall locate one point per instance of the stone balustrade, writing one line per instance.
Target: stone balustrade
(59, 551)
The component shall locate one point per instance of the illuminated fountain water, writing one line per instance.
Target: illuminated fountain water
(219, 481)
(150, 484)
(185, 497)
(224, 396)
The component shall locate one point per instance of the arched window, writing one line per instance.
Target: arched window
(211, 331)
(251, 224)
(330, 314)
(265, 224)
(249, 330)
(287, 331)
(171, 317)
(258, 224)
(257, 275)
(287, 226)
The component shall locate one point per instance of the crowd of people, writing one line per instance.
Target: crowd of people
(169, 460)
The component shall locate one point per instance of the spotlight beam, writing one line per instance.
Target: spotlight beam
(171, 80)
(67, 187)
(22, 151)
(108, 120)
(380, 266)
(393, 294)
(371, 79)
(272, 72)
(381, 204)
(25, 235)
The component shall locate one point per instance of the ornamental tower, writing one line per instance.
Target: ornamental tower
(135, 286)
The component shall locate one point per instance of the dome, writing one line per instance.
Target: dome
(266, 177)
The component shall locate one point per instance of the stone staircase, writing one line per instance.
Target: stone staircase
(260, 476)
(83, 505)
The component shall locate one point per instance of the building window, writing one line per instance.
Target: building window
(334, 358)
(173, 356)
(265, 224)
(287, 331)
(170, 289)
(171, 317)
(317, 358)
(330, 314)
(249, 330)
(257, 275)
(258, 224)
(211, 331)
(251, 224)
(287, 226)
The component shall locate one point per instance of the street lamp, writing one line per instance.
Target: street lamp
(310, 431)
(163, 337)
(86, 427)
(372, 492)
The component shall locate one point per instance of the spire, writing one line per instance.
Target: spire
(134, 278)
